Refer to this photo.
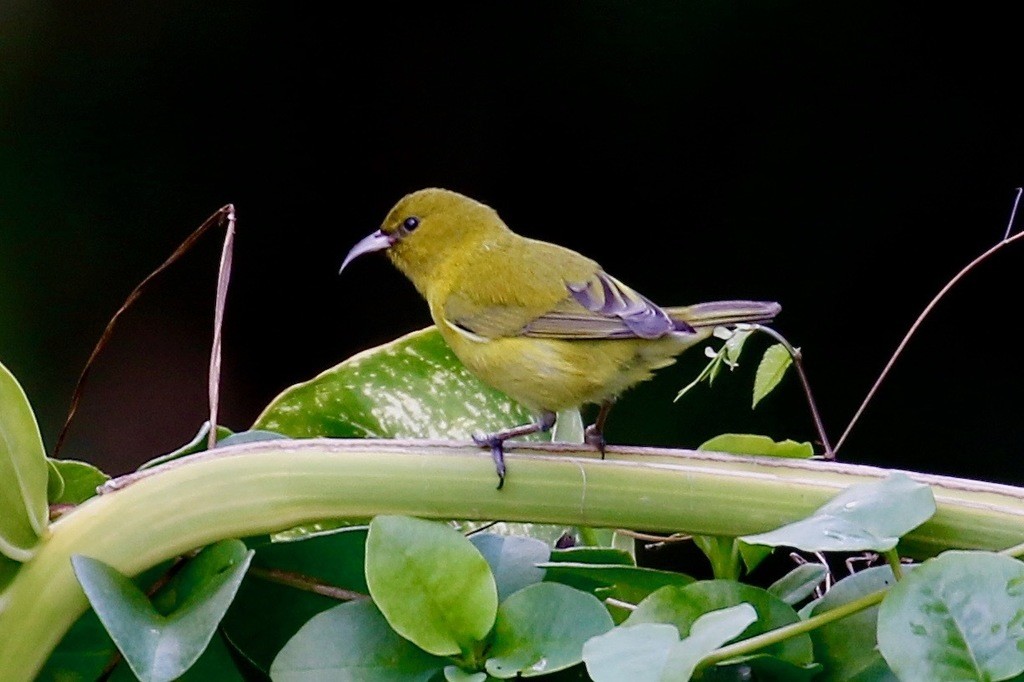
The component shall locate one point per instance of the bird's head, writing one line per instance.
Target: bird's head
(426, 228)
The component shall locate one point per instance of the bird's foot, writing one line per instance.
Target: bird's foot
(595, 438)
(497, 446)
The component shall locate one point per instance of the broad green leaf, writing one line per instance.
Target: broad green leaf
(24, 512)
(635, 653)
(652, 652)
(86, 648)
(456, 674)
(216, 664)
(513, 560)
(681, 606)
(258, 637)
(799, 583)
(542, 628)
(593, 555)
(159, 647)
(751, 444)
(197, 444)
(353, 642)
(865, 516)
(628, 583)
(334, 558)
(708, 632)
(54, 481)
(431, 583)
(80, 480)
(413, 387)
(959, 616)
(770, 370)
(848, 648)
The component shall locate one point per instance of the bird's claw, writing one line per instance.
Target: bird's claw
(595, 438)
(497, 446)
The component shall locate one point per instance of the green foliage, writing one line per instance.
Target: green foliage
(516, 562)
(848, 648)
(196, 444)
(870, 516)
(959, 616)
(352, 641)
(160, 645)
(422, 602)
(23, 473)
(774, 363)
(652, 652)
(798, 584)
(682, 606)
(770, 370)
(409, 563)
(78, 480)
(752, 444)
(542, 629)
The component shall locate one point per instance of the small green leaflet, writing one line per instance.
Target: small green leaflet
(772, 368)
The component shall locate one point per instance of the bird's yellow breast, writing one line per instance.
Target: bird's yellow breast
(556, 374)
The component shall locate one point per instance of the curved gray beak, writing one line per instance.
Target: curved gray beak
(378, 241)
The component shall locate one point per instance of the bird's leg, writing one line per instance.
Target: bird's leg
(594, 435)
(496, 441)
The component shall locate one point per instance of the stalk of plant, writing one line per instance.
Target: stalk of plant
(262, 487)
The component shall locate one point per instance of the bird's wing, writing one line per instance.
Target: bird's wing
(600, 307)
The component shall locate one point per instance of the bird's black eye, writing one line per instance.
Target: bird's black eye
(411, 223)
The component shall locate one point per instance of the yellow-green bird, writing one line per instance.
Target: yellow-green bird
(544, 324)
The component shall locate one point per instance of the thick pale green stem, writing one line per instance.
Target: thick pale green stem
(261, 487)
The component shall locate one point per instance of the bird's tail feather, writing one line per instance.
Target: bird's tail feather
(718, 313)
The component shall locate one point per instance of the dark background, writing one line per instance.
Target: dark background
(844, 159)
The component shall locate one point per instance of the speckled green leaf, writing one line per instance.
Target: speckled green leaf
(770, 370)
(413, 387)
(24, 512)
